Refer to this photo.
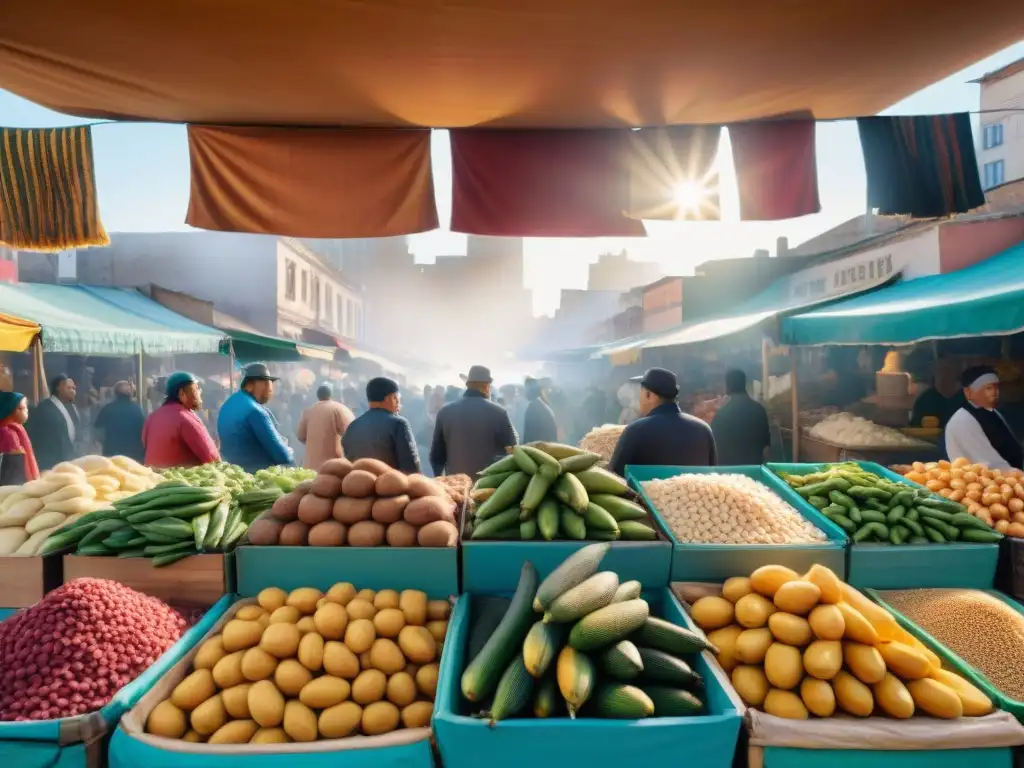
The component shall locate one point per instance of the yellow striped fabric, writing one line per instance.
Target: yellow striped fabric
(48, 189)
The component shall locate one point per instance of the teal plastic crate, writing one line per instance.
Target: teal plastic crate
(50, 743)
(953, 660)
(911, 566)
(788, 757)
(5, 612)
(707, 741)
(435, 570)
(718, 562)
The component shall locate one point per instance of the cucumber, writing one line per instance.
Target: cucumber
(572, 605)
(571, 524)
(895, 515)
(574, 570)
(514, 691)
(200, 525)
(661, 667)
(492, 481)
(182, 512)
(941, 504)
(934, 514)
(608, 625)
(818, 502)
(100, 531)
(622, 702)
(967, 520)
(485, 529)
(168, 526)
(546, 465)
(636, 530)
(546, 701)
(509, 493)
(486, 614)
(576, 676)
(171, 557)
(602, 482)
(547, 519)
(541, 646)
(672, 702)
(63, 540)
(556, 450)
(664, 636)
(978, 536)
(872, 516)
(570, 491)
(91, 518)
(601, 519)
(579, 463)
(218, 520)
(163, 549)
(481, 675)
(93, 550)
(628, 590)
(596, 534)
(620, 509)
(622, 661)
(528, 530)
(524, 460)
(536, 490)
(501, 466)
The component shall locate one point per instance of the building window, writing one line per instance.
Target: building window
(993, 135)
(289, 281)
(994, 174)
(339, 320)
(305, 286)
(328, 304)
(314, 299)
(350, 330)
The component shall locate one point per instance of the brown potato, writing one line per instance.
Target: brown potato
(290, 677)
(389, 510)
(327, 485)
(337, 467)
(429, 509)
(295, 534)
(358, 484)
(265, 532)
(286, 508)
(389, 622)
(401, 534)
(374, 466)
(392, 483)
(360, 608)
(352, 511)
(315, 509)
(439, 533)
(329, 533)
(420, 486)
(368, 533)
(386, 598)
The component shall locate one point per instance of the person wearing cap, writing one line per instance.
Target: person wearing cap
(471, 432)
(741, 429)
(321, 428)
(663, 435)
(119, 424)
(977, 431)
(381, 433)
(55, 424)
(539, 420)
(173, 435)
(248, 431)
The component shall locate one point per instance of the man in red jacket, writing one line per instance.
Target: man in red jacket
(173, 434)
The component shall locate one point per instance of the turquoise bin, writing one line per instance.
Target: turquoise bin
(788, 757)
(707, 741)
(39, 744)
(435, 570)
(5, 612)
(911, 566)
(718, 562)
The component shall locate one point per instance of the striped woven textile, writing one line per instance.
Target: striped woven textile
(48, 189)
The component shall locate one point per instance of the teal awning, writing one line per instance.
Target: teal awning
(985, 299)
(250, 347)
(106, 321)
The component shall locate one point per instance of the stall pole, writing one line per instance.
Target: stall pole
(143, 400)
(231, 366)
(36, 354)
(764, 370)
(794, 403)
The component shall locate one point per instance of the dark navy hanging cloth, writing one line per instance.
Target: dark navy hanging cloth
(923, 166)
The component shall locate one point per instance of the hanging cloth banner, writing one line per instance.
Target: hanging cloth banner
(924, 166)
(48, 189)
(776, 169)
(311, 182)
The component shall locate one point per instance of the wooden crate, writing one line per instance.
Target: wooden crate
(200, 580)
(24, 580)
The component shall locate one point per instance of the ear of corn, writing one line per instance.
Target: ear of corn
(596, 592)
(574, 570)
(576, 678)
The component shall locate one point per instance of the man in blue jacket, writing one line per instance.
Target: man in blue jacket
(248, 431)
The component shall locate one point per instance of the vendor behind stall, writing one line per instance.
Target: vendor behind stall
(173, 435)
(740, 427)
(977, 431)
(248, 431)
(664, 435)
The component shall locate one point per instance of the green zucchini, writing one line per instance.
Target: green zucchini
(619, 508)
(547, 519)
(600, 481)
(666, 636)
(218, 520)
(978, 536)
(503, 465)
(579, 463)
(528, 530)
(571, 524)
(622, 702)
(622, 661)
(635, 530)
(672, 702)
(486, 529)
(536, 490)
(509, 493)
(600, 518)
(524, 461)
(514, 691)
(664, 668)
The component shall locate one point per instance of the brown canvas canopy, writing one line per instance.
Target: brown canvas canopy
(511, 63)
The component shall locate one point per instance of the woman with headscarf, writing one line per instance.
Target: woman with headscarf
(17, 460)
(174, 435)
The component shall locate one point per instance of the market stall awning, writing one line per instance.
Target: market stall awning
(16, 335)
(447, 64)
(986, 299)
(105, 321)
(250, 347)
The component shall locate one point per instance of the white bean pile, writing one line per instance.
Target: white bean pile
(727, 509)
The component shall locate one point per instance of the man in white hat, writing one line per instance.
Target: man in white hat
(978, 432)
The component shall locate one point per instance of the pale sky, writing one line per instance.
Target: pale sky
(143, 179)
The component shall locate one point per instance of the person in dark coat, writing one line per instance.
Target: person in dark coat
(55, 424)
(539, 421)
(664, 435)
(472, 432)
(381, 433)
(741, 429)
(119, 423)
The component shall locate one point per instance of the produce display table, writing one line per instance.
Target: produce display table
(911, 566)
(24, 580)
(717, 562)
(708, 741)
(80, 742)
(196, 580)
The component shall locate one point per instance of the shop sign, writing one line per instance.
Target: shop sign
(845, 278)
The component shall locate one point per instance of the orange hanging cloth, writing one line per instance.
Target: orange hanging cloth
(48, 189)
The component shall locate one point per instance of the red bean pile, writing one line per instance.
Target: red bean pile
(73, 650)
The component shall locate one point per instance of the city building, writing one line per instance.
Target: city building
(617, 272)
(1001, 140)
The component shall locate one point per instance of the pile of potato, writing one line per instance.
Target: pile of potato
(360, 504)
(29, 513)
(303, 666)
(992, 495)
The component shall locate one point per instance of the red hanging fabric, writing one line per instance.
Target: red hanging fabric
(776, 169)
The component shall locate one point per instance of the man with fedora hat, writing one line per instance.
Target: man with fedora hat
(664, 435)
(472, 431)
(247, 429)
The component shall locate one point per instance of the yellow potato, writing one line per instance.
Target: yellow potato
(299, 722)
(290, 677)
(359, 635)
(385, 655)
(401, 689)
(380, 717)
(426, 680)
(286, 614)
(257, 664)
(249, 612)
(209, 716)
(266, 704)
(331, 620)
(360, 609)
(417, 644)
(270, 736)
(341, 593)
(325, 691)
(236, 700)
(418, 714)
(272, 598)
(340, 721)
(438, 610)
(228, 671)
(413, 603)
(366, 594)
(386, 598)
(193, 690)
(235, 732)
(340, 661)
(369, 687)
(209, 653)
(389, 622)
(167, 720)
(311, 652)
(281, 640)
(238, 635)
(306, 625)
(438, 630)
(305, 599)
